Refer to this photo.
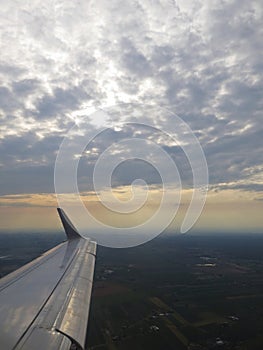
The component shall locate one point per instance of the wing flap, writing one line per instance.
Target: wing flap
(76, 311)
(42, 338)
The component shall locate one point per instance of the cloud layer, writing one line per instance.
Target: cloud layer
(202, 60)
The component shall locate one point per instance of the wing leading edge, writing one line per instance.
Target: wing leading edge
(45, 304)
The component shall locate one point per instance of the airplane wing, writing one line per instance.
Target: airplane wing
(45, 304)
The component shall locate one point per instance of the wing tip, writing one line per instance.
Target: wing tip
(70, 229)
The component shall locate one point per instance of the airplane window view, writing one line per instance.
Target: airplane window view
(131, 175)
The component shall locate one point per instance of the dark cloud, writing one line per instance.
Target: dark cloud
(11, 70)
(62, 100)
(28, 150)
(8, 101)
(33, 179)
(25, 86)
(134, 61)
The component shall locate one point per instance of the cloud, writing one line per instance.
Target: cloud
(61, 101)
(25, 87)
(201, 60)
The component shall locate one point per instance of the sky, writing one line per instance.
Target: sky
(63, 61)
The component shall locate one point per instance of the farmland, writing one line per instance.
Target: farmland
(181, 292)
(188, 292)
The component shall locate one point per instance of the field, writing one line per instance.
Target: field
(185, 292)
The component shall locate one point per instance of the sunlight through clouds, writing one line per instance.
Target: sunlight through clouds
(63, 60)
